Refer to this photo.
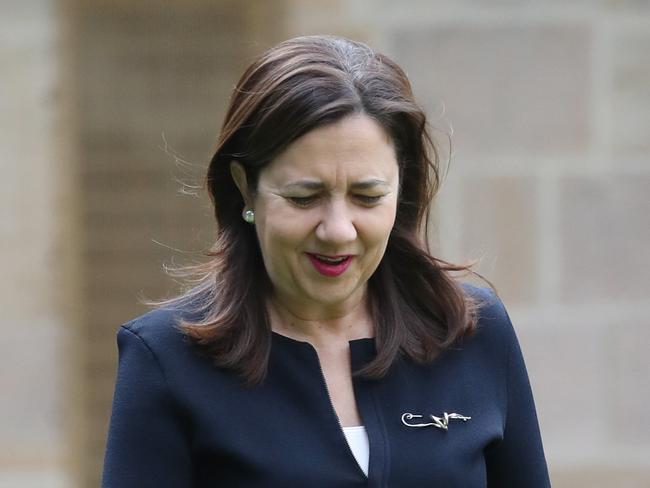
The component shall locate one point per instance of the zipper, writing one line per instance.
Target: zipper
(338, 421)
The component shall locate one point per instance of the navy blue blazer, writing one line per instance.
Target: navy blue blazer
(178, 421)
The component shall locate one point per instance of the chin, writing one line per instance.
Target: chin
(333, 295)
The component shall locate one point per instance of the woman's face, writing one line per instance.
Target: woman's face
(331, 194)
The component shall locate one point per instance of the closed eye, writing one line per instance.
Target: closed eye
(303, 201)
(369, 199)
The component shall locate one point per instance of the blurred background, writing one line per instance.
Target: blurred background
(109, 111)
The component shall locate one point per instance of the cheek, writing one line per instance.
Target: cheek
(280, 237)
(376, 229)
(383, 221)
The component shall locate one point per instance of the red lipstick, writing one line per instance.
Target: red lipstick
(327, 268)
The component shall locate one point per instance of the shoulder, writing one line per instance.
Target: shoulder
(159, 330)
(156, 340)
(494, 328)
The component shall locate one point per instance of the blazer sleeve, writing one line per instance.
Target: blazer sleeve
(146, 445)
(518, 459)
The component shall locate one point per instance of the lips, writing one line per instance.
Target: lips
(330, 259)
(330, 265)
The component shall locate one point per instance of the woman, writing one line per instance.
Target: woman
(323, 345)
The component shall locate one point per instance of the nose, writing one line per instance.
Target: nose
(336, 226)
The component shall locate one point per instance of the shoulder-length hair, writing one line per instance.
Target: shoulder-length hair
(418, 308)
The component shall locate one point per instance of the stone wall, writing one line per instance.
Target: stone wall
(38, 249)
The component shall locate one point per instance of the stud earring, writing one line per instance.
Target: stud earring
(248, 215)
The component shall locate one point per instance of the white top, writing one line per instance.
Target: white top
(358, 441)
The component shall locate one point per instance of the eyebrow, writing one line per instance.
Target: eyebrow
(319, 185)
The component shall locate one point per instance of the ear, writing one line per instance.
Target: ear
(239, 177)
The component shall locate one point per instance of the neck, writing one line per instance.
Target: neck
(324, 328)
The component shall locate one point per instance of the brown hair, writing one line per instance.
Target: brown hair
(417, 306)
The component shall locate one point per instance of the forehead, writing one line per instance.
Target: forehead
(355, 147)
